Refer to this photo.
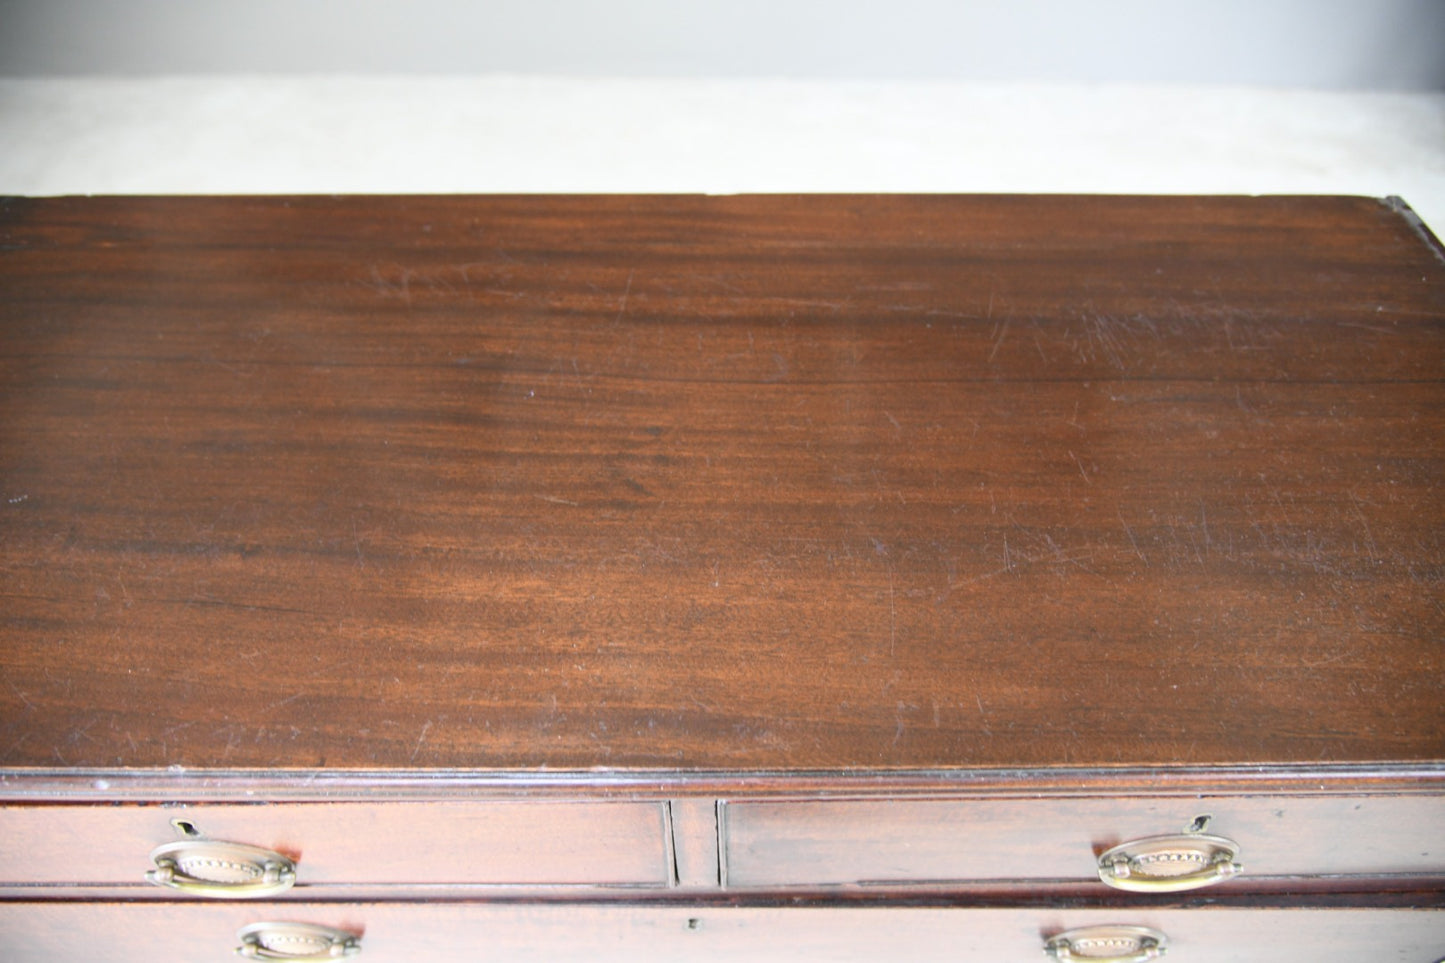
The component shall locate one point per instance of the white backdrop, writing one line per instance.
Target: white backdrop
(1376, 44)
(377, 96)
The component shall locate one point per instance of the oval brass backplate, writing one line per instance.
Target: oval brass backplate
(221, 870)
(1107, 944)
(296, 941)
(1169, 864)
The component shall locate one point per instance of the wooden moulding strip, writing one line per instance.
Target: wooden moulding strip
(300, 785)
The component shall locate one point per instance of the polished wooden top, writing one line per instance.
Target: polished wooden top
(719, 483)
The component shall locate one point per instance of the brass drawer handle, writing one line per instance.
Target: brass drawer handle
(1168, 864)
(296, 941)
(221, 870)
(1107, 944)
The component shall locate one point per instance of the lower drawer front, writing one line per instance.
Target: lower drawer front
(523, 842)
(558, 933)
(824, 842)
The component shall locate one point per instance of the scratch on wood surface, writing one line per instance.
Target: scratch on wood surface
(1130, 532)
(1101, 329)
(1001, 333)
(892, 614)
(1240, 402)
(622, 307)
(1369, 536)
(10, 749)
(1332, 659)
(1038, 344)
(717, 279)
(19, 694)
(401, 288)
(232, 738)
(1110, 338)
(1080, 465)
(419, 740)
(356, 542)
(1365, 327)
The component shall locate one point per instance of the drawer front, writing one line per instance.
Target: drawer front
(527, 842)
(812, 842)
(596, 933)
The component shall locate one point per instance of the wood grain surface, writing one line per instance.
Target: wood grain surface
(544, 845)
(883, 843)
(621, 933)
(724, 483)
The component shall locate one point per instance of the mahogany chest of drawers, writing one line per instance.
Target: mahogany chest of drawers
(717, 578)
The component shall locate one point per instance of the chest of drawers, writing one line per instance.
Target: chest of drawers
(841, 578)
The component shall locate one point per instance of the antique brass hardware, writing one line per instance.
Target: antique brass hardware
(221, 870)
(1168, 864)
(1107, 944)
(296, 941)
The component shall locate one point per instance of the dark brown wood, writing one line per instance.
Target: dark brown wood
(394, 933)
(526, 843)
(744, 483)
(897, 842)
(491, 548)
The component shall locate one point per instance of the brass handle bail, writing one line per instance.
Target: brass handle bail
(1170, 864)
(221, 870)
(1107, 944)
(296, 941)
